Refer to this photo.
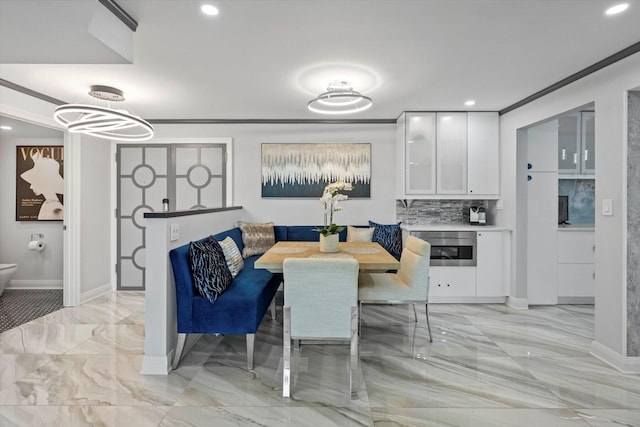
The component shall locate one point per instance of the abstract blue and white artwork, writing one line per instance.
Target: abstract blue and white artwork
(303, 170)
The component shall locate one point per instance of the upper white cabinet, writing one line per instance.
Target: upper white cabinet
(576, 143)
(483, 154)
(451, 154)
(418, 130)
(542, 146)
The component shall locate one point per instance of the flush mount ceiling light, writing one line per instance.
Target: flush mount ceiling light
(340, 98)
(619, 8)
(104, 121)
(210, 10)
(470, 103)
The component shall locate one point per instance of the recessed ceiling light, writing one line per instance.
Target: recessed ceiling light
(619, 8)
(470, 102)
(4, 127)
(210, 10)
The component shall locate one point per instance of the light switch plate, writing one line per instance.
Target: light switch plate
(174, 232)
(607, 207)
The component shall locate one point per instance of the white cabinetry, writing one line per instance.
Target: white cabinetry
(491, 260)
(576, 143)
(542, 214)
(576, 272)
(451, 153)
(542, 146)
(483, 159)
(448, 155)
(486, 282)
(419, 148)
(452, 282)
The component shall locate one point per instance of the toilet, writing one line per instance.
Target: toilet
(6, 273)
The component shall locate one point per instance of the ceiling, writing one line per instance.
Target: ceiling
(265, 59)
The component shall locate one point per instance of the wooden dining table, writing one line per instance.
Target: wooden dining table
(370, 255)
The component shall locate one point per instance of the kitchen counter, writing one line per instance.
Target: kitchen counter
(453, 227)
(577, 227)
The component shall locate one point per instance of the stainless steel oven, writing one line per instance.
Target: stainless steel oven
(451, 248)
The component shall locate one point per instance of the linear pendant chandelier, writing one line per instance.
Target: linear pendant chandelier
(104, 121)
(340, 98)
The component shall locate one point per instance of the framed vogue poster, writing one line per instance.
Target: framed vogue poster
(303, 170)
(39, 183)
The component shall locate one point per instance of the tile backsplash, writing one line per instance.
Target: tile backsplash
(437, 211)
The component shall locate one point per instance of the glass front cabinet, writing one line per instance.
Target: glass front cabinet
(576, 143)
(420, 159)
(448, 155)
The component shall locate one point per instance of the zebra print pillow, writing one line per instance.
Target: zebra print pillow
(232, 255)
(389, 236)
(211, 276)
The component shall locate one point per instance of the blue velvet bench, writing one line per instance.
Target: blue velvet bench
(242, 306)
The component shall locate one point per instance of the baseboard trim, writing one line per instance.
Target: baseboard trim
(518, 303)
(576, 300)
(626, 365)
(34, 284)
(466, 300)
(157, 365)
(94, 293)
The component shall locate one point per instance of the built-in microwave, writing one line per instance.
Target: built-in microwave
(451, 248)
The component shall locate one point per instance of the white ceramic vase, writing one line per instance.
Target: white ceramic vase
(329, 243)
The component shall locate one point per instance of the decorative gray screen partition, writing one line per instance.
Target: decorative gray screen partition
(191, 176)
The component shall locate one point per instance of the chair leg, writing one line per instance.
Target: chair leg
(273, 309)
(286, 356)
(355, 356)
(360, 319)
(415, 315)
(251, 338)
(182, 338)
(428, 326)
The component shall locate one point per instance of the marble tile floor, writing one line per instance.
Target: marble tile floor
(488, 365)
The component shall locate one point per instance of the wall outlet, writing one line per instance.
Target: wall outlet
(174, 232)
(499, 205)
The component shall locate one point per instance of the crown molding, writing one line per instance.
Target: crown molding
(628, 51)
(120, 13)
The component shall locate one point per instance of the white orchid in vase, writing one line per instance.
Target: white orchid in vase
(331, 197)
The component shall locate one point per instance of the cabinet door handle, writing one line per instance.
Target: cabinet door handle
(448, 285)
(586, 155)
(529, 178)
(529, 166)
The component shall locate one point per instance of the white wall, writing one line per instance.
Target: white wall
(247, 170)
(86, 209)
(161, 330)
(95, 217)
(35, 269)
(607, 88)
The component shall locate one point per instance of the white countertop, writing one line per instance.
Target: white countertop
(579, 227)
(453, 227)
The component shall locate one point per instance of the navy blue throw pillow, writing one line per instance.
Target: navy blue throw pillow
(211, 276)
(389, 236)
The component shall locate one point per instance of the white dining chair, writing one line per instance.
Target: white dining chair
(409, 285)
(320, 303)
